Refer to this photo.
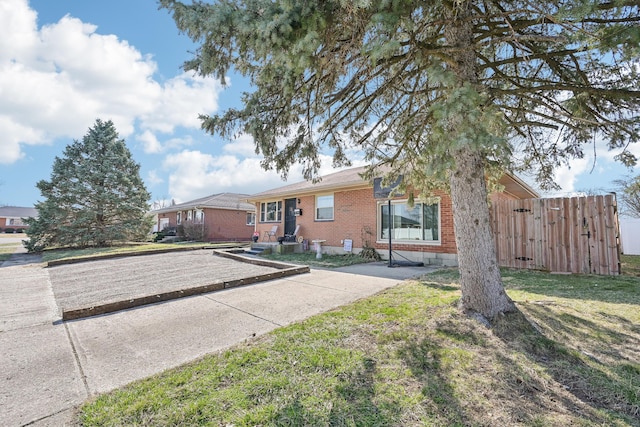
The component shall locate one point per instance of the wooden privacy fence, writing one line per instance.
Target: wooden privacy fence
(568, 235)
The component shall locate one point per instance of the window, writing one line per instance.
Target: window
(199, 216)
(324, 207)
(16, 221)
(420, 223)
(179, 218)
(271, 211)
(251, 218)
(189, 215)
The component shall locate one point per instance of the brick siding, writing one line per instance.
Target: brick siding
(356, 211)
(221, 224)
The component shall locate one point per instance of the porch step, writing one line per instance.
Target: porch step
(257, 249)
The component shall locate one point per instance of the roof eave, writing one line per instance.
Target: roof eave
(308, 191)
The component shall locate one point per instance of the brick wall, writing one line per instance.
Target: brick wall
(356, 211)
(224, 224)
(221, 224)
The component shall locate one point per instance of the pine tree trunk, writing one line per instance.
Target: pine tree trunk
(480, 280)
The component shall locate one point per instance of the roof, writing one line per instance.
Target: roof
(343, 180)
(230, 201)
(18, 212)
(351, 179)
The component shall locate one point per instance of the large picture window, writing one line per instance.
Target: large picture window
(418, 224)
(324, 207)
(271, 211)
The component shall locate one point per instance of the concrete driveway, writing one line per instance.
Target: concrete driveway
(49, 367)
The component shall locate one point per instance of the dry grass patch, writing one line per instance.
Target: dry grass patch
(407, 357)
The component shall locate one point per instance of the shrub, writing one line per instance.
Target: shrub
(9, 230)
(191, 230)
(20, 230)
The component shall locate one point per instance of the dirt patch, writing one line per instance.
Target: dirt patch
(103, 286)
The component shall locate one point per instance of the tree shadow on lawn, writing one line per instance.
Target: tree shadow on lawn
(512, 374)
(602, 337)
(608, 289)
(601, 370)
(354, 403)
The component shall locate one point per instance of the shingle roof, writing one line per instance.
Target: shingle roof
(348, 178)
(18, 212)
(351, 179)
(232, 201)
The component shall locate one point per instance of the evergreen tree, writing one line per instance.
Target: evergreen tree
(95, 196)
(445, 92)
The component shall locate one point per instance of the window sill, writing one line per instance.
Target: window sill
(410, 242)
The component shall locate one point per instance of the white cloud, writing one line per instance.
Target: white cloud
(149, 142)
(243, 145)
(181, 100)
(194, 174)
(55, 81)
(567, 176)
(153, 178)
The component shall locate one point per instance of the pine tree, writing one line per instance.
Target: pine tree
(95, 196)
(448, 93)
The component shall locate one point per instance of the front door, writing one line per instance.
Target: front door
(289, 216)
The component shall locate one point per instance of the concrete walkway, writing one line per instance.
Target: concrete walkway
(50, 367)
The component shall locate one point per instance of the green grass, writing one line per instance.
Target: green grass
(309, 258)
(407, 357)
(7, 249)
(630, 265)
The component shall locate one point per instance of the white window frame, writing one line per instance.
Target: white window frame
(318, 206)
(414, 241)
(163, 223)
(264, 212)
(189, 215)
(251, 218)
(198, 216)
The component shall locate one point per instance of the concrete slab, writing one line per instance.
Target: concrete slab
(39, 376)
(297, 298)
(122, 347)
(66, 418)
(107, 285)
(347, 282)
(382, 270)
(26, 298)
(52, 368)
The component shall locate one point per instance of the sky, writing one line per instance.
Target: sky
(66, 63)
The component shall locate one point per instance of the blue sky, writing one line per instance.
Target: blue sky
(64, 63)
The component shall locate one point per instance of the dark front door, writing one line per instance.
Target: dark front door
(289, 216)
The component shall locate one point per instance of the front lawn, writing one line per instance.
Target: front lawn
(309, 258)
(407, 357)
(7, 249)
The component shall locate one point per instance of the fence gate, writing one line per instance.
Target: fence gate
(567, 235)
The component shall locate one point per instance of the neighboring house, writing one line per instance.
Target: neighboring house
(223, 216)
(12, 217)
(341, 210)
(630, 235)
